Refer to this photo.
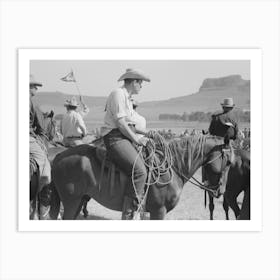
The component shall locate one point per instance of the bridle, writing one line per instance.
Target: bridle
(214, 190)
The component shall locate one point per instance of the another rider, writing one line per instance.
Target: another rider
(121, 136)
(225, 124)
(36, 147)
(73, 127)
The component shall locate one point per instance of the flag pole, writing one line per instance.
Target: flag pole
(76, 84)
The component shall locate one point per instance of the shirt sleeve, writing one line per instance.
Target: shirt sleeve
(84, 111)
(118, 104)
(80, 122)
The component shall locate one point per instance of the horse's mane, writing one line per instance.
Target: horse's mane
(189, 149)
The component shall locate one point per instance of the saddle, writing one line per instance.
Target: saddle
(114, 173)
(33, 167)
(154, 164)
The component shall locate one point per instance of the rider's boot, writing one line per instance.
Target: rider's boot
(129, 211)
(45, 202)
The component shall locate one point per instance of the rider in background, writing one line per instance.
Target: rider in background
(37, 149)
(121, 137)
(73, 127)
(225, 124)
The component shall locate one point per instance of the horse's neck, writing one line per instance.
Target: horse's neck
(190, 153)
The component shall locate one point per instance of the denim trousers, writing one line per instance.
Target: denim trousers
(124, 155)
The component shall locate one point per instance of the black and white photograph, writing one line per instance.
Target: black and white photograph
(141, 139)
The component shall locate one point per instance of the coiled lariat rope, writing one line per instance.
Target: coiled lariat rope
(158, 160)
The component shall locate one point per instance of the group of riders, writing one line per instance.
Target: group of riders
(123, 131)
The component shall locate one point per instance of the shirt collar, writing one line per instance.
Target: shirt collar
(126, 93)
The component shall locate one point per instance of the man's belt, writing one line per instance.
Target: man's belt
(76, 137)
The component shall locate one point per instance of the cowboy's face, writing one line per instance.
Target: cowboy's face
(227, 109)
(136, 86)
(32, 90)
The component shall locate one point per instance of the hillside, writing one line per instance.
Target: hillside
(207, 99)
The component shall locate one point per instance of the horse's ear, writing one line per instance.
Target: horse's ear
(50, 115)
(204, 132)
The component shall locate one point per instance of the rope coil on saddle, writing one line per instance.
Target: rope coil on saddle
(158, 160)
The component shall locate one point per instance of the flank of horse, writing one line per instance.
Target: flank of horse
(238, 180)
(77, 176)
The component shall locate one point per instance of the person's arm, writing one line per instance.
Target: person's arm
(236, 130)
(85, 109)
(126, 131)
(118, 110)
(81, 124)
(212, 126)
(38, 128)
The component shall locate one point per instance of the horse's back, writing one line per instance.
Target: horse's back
(79, 171)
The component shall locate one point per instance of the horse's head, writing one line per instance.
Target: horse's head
(216, 166)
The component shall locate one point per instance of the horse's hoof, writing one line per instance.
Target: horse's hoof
(85, 214)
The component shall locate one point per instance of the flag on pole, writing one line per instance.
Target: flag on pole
(69, 78)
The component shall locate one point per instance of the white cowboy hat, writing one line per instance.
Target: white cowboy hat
(32, 81)
(228, 102)
(134, 74)
(72, 102)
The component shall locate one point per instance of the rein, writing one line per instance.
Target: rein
(158, 159)
(197, 183)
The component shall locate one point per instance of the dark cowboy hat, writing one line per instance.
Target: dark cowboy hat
(228, 102)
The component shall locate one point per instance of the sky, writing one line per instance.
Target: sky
(169, 78)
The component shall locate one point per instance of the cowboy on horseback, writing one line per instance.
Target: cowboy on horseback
(121, 135)
(225, 124)
(37, 149)
(73, 127)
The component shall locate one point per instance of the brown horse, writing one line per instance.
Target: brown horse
(238, 180)
(77, 176)
(48, 125)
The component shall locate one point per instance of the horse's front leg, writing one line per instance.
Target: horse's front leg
(211, 205)
(158, 214)
(226, 207)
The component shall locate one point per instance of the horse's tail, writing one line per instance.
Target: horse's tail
(205, 199)
(54, 203)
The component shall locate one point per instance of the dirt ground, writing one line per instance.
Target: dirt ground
(190, 207)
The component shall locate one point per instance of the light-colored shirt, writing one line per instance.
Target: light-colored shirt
(72, 124)
(139, 121)
(118, 105)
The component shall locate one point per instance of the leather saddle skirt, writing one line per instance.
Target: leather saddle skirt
(110, 173)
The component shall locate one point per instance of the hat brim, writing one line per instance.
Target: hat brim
(70, 105)
(134, 76)
(230, 106)
(35, 84)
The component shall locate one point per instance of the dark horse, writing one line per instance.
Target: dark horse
(238, 180)
(77, 174)
(48, 125)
